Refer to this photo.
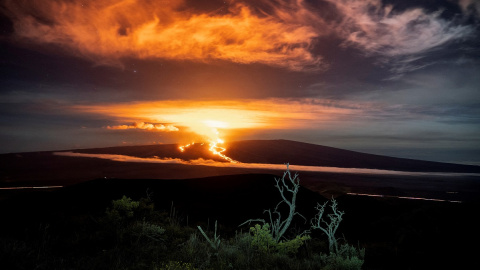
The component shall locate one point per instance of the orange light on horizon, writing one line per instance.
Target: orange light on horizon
(215, 120)
(208, 118)
(215, 123)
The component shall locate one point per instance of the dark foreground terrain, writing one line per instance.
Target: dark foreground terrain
(67, 227)
(39, 229)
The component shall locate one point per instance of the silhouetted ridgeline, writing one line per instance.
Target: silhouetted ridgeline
(282, 151)
(277, 151)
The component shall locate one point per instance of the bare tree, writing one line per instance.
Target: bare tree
(330, 227)
(288, 190)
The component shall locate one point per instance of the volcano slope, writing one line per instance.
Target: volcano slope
(452, 182)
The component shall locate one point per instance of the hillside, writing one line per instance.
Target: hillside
(282, 151)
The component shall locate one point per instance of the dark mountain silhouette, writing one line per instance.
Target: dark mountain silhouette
(283, 151)
(46, 168)
(280, 151)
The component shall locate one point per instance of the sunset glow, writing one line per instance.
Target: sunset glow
(207, 117)
(384, 77)
(213, 120)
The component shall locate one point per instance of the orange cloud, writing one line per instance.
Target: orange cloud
(228, 114)
(208, 118)
(147, 126)
(107, 30)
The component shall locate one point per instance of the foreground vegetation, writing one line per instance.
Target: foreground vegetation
(135, 235)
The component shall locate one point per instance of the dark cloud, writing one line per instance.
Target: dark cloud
(399, 37)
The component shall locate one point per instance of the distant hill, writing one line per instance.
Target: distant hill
(47, 169)
(283, 151)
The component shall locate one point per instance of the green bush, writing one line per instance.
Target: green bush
(122, 210)
(347, 258)
(348, 251)
(146, 230)
(263, 240)
(196, 251)
(292, 246)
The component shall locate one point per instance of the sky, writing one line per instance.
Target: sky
(397, 77)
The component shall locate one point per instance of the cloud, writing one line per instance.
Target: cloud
(233, 114)
(105, 31)
(232, 119)
(400, 113)
(401, 37)
(410, 105)
(470, 6)
(378, 29)
(281, 33)
(147, 126)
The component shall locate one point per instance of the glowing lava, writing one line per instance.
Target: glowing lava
(213, 142)
(182, 147)
(214, 148)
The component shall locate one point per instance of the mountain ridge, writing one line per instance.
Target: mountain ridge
(287, 151)
(320, 155)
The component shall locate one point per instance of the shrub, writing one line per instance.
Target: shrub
(122, 210)
(292, 246)
(196, 251)
(348, 258)
(263, 240)
(145, 230)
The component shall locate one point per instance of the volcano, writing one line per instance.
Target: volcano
(286, 151)
(379, 207)
(432, 179)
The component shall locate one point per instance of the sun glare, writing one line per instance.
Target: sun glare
(211, 122)
(215, 123)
